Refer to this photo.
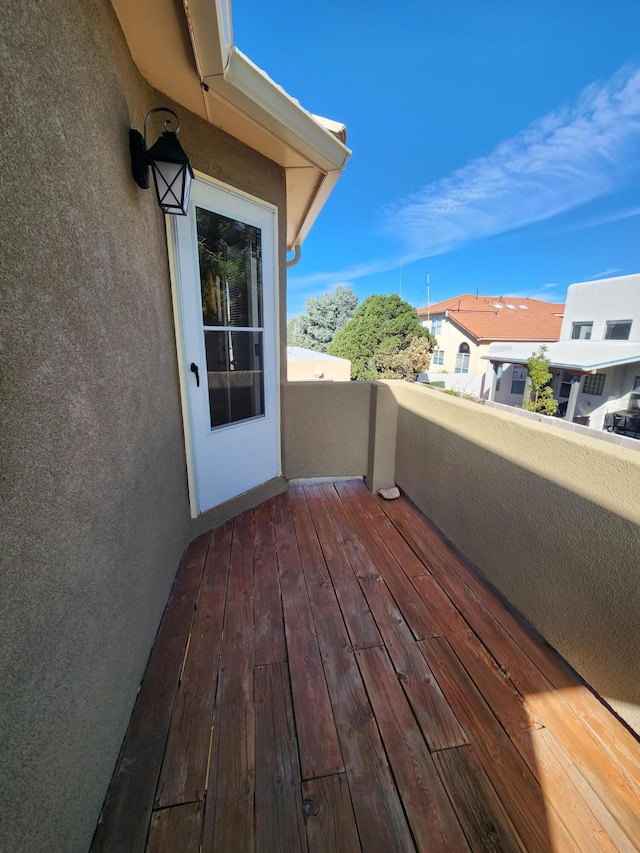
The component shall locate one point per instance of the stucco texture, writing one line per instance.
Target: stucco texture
(94, 495)
(326, 429)
(551, 518)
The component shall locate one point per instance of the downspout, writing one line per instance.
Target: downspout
(296, 257)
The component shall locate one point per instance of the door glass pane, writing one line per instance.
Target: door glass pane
(235, 375)
(230, 256)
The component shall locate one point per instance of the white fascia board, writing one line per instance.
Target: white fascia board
(245, 85)
(318, 201)
(211, 32)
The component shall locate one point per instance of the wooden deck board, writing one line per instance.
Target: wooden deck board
(184, 770)
(331, 825)
(357, 616)
(318, 743)
(433, 821)
(484, 820)
(439, 724)
(518, 788)
(375, 800)
(230, 790)
(332, 676)
(270, 643)
(472, 596)
(176, 828)
(278, 805)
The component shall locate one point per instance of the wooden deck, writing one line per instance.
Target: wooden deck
(330, 676)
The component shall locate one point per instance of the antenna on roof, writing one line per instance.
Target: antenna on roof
(428, 295)
(477, 291)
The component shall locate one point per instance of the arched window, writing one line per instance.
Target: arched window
(462, 359)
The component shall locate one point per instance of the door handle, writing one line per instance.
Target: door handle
(194, 369)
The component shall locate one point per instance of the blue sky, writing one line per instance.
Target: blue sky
(496, 144)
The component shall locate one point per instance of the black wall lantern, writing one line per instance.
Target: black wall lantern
(172, 172)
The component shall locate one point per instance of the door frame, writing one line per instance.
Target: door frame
(183, 373)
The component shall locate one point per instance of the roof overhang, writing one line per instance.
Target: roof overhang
(578, 356)
(186, 51)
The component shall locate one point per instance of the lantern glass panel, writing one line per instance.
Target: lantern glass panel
(173, 184)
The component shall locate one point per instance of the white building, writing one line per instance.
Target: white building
(596, 362)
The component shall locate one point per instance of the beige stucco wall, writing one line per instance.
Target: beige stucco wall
(326, 429)
(551, 518)
(95, 514)
(315, 370)
(449, 340)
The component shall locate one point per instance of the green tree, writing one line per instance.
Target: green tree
(543, 400)
(385, 340)
(291, 331)
(323, 317)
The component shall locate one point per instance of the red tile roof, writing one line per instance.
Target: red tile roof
(517, 318)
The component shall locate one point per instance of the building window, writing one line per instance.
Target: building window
(594, 384)
(518, 380)
(565, 386)
(462, 359)
(617, 330)
(436, 325)
(581, 331)
(438, 356)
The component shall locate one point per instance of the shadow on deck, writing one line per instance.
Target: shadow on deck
(330, 676)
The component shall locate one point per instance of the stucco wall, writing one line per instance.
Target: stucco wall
(599, 301)
(314, 369)
(449, 340)
(326, 429)
(95, 511)
(551, 518)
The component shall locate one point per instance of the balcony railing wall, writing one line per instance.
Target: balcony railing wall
(551, 518)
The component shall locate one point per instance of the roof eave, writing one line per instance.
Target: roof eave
(200, 68)
(583, 368)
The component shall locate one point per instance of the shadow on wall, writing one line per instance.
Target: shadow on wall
(567, 562)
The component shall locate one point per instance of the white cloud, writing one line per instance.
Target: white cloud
(357, 271)
(564, 159)
(608, 273)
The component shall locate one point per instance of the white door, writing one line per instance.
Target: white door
(226, 289)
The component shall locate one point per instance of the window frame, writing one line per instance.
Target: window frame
(579, 325)
(611, 324)
(520, 379)
(463, 357)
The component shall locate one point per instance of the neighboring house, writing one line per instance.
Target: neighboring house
(309, 365)
(466, 325)
(596, 362)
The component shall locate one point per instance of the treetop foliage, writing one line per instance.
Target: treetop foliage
(384, 340)
(323, 317)
(543, 400)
